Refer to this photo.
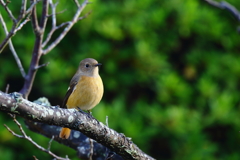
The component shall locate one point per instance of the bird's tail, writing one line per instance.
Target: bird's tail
(65, 133)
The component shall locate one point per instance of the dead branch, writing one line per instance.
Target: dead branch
(39, 30)
(24, 136)
(15, 55)
(16, 22)
(68, 25)
(73, 119)
(76, 141)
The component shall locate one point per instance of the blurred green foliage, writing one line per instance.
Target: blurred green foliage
(171, 71)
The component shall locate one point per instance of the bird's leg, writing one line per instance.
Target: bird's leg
(89, 112)
(79, 109)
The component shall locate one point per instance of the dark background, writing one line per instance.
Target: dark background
(171, 73)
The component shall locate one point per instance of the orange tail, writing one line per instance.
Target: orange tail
(65, 133)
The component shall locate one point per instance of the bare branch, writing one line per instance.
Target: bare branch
(3, 24)
(16, 23)
(85, 16)
(33, 4)
(8, 11)
(9, 35)
(77, 3)
(62, 25)
(107, 121)
(22, 24)
(23, 9)
(73, 119)
(53, 8)
(34, 19)
(37, 50)
(17, 58)
(91, 149)
(24, 136)
(7, 88)
(50, 143)
(39, 32)
(44, 17)
(12, 48)
(43, 65)
(227, 6)
(68, 27)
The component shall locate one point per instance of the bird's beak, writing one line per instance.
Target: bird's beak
(97, 65)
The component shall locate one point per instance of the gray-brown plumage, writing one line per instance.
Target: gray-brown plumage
(85, 90)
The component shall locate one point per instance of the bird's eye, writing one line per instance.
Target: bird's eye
(87, 65)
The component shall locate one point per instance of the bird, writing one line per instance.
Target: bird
(85, 90)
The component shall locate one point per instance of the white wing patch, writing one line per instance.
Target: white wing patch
(75, 87)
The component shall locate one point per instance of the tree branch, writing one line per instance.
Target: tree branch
(16, 22)
(23, 9)
(69, 24)
(5, 5)
(12, 48)
(53, 8)
(227, 6)
(24, 136)
(73, 119)
(39, 29)
(76, 141)
(37, 51)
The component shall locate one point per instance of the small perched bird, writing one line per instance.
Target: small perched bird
(85, 90)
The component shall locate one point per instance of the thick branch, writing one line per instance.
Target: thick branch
(77, 120)
(76, 141)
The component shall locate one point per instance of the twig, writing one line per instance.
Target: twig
(91, 149)
(8, 11)
(23, 9)
(43, 65)
(24, 136)
(53, 8)
(68, 27)
(50, 143)
(7, 88)
(227, 6)
(29, 10)
(12, 48)
(44, 16)
(34, 19)
(77, 3)
(35, 158)
(107, 121)
(22, 24)
(85, 16)
(109, 157)
(16, 22)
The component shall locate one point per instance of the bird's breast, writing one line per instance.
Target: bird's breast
(87, 93)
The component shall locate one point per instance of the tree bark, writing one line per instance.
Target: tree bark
(73, 119)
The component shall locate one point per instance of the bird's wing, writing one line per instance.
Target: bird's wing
(69, 92)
